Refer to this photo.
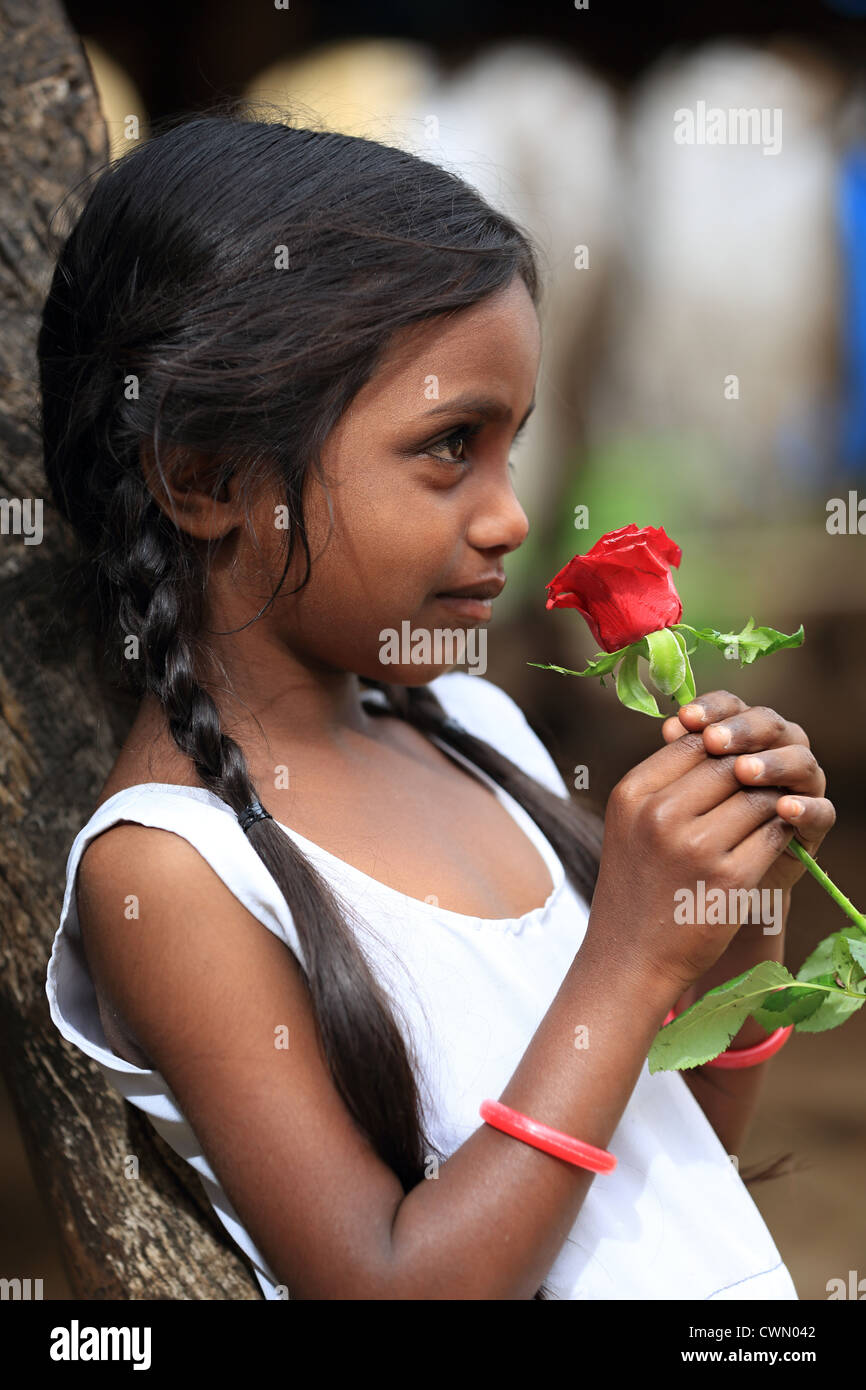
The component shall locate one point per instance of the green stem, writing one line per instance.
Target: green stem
(828, 989)
(827, 883)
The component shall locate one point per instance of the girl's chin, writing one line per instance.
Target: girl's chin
(415, 651)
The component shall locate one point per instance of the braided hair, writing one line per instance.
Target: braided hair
(165, 320)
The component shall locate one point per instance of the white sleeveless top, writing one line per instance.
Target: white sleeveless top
(674, 1219)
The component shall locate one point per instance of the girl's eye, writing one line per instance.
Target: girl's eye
(456, 440)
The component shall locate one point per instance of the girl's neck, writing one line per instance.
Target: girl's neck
(150, 754)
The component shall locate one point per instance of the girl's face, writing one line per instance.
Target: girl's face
(421, 500)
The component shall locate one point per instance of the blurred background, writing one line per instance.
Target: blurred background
(704, 369)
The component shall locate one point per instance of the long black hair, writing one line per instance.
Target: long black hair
(166, 320)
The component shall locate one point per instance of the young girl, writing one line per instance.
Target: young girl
(327, 906)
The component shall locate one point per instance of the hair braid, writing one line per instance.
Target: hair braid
(359, 1036)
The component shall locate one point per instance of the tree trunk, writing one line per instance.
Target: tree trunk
(156, 1237)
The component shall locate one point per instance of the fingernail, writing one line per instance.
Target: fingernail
(796, 811)
(697, 710)
(723, 733)
(754, 767)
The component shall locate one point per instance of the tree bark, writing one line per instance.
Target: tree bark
(157, 1236)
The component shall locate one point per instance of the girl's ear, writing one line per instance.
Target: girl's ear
(194, 489)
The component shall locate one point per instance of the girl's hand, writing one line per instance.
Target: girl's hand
(685, 817)
(738, 734)
(735, 733)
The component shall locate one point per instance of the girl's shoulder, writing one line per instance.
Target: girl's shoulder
(189, 814)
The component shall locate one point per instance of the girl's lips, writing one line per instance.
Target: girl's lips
(477, 609)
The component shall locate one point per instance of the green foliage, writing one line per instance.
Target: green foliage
(667, 651)
(830, 986)
(749, 644)
(630, 688)
(706, 1028)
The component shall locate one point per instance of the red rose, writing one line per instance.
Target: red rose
(623, 586)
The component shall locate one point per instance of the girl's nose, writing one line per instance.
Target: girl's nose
(500, 524)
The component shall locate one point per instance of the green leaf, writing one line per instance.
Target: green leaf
(667, 662)
(839, 956)
(751, 643)
(820, 962)
(680, 630)
(787, 1006)
(829, 981)
(761, 641)
(603, 662)
(563, 670)
(686, 692)
(599, 665)
(706, 1028)
(825, 959)
(836, 1007)
(631, 689)
(857, 947)
(848, 969)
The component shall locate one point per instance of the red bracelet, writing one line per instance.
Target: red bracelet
(746, 1056)
(552, 1141)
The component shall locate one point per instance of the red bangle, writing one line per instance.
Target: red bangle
(746, 1056)
(552, 1141)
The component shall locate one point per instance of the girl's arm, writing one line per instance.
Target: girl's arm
(203, 988)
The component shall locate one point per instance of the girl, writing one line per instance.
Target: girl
(328, 904)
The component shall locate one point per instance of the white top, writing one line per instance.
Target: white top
(674, 1219)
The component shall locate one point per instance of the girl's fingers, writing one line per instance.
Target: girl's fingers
(765, 753)
(727, 825)
(710, 782)
(811, 816)
(728, 725)
(673, 728)
(707, 709)
(754, 728)
(741, 815)
(660, 769)
(754, 856)
(795, 768)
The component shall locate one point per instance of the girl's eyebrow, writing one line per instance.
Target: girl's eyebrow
(489, 406)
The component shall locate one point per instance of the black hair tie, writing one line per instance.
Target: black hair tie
(255, 811)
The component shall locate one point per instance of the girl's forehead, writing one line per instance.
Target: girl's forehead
(496, 342)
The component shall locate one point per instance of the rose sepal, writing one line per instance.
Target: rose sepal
(669, 668)
(667, 651)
